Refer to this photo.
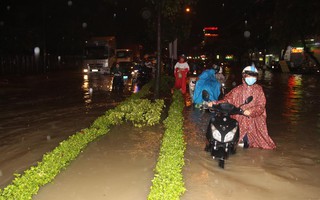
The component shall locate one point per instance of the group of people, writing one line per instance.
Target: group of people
(118, 72)
(253, 126)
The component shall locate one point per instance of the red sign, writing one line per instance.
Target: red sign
(212, 28)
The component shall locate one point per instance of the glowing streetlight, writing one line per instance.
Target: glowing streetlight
(84, 25)
(246, 34)
(36, 51)
(188, 10)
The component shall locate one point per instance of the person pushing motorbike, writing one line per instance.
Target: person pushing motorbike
(252, 125)
(117, 77)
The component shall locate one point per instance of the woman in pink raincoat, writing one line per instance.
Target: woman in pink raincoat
(181, 70)
(253, 126)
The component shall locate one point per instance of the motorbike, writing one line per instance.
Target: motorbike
(192, 85)
(141, 75)
(223, 131)
(118, 82)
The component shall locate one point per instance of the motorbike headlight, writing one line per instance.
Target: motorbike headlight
(216, 134)
(230, 135)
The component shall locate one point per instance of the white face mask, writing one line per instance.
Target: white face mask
(250, 80)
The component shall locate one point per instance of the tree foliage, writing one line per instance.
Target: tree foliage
(294, 21)
(175, 22)
(273, 24)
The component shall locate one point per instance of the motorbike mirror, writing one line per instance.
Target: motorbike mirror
(205, 95)
(249, 99)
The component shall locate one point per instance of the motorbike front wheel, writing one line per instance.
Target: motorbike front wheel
(221, 163)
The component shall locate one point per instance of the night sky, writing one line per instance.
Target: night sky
(63, 23)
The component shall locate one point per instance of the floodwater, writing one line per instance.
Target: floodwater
(292, 171)
(120, 165)
(37, 112)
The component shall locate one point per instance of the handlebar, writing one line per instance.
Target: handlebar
(230, 109)
(226, 109)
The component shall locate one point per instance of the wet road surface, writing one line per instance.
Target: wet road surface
(292, 171)
(119, 165)
(37, 112)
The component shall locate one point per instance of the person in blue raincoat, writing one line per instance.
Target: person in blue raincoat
(206, 81)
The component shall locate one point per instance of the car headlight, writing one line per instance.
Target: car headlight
(85, 70)
(215, 133)
(230, 135)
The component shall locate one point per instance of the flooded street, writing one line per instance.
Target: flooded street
(118, 166)
(38, 113)
(292, 171)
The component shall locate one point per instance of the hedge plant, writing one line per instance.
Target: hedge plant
(168, 180)
(140, 112)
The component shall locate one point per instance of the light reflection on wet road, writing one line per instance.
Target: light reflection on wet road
(29, 113)
(292, 171)
(37, 112)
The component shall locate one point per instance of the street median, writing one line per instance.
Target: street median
(168, 179)
(141, 112)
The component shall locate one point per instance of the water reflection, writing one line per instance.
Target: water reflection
(196, 124)
(293, 100)
(87, 96)
(128, 83)
(266, 76)
(136, 88)
(97, 87)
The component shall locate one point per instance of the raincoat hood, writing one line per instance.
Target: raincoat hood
(207, 81)
(208, 75)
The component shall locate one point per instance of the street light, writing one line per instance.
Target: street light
(188, 10)
(246, 34)
(36, 51)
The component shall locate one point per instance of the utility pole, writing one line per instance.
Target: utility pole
(158, 71)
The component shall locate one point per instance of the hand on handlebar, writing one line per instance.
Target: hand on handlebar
(210, 104)
(247, 113)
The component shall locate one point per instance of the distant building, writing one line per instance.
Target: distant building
(210, 34)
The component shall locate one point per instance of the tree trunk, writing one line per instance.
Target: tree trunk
(284, 51)
(157, 82)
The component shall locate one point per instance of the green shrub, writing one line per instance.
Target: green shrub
(166, 84)
(139, 112)
(168, 180)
